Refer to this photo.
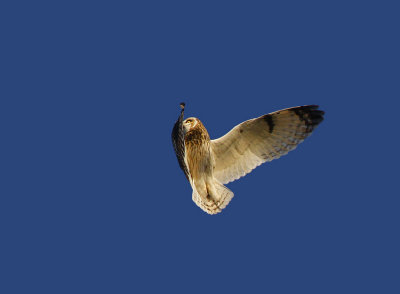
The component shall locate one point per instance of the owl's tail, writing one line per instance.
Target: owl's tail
(217, 198)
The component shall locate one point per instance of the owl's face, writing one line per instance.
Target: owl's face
(189, 123)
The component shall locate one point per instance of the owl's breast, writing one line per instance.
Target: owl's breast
(198, 153)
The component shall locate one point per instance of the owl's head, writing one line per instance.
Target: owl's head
(190, 123)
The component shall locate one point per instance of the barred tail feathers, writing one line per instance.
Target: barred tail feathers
(217, 199)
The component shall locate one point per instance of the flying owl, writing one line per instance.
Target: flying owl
(209, 164)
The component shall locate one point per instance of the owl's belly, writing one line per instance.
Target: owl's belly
(202, 176)
(199, 160)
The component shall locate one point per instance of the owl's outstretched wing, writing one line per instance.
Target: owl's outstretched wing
(178, 141)
(262, 139)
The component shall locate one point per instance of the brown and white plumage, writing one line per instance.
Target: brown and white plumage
(208, 164)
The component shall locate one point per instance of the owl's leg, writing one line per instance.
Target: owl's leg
(201, 188)
(218, 193)
(206, 189)
(211, 193)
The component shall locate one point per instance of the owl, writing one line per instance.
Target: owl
(210, 164)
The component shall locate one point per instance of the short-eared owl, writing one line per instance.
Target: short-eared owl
(208, 164)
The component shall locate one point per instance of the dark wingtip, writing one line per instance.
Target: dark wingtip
(310, 114)
(182, 105)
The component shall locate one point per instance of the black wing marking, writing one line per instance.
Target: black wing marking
(178, 141)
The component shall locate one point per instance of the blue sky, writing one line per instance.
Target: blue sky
(92, 197)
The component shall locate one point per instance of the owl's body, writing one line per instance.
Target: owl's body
(208, 193)
(208, 164)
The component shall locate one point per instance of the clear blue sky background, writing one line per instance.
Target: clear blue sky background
(92, 198)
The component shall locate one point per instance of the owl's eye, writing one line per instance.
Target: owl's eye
(189, 121)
